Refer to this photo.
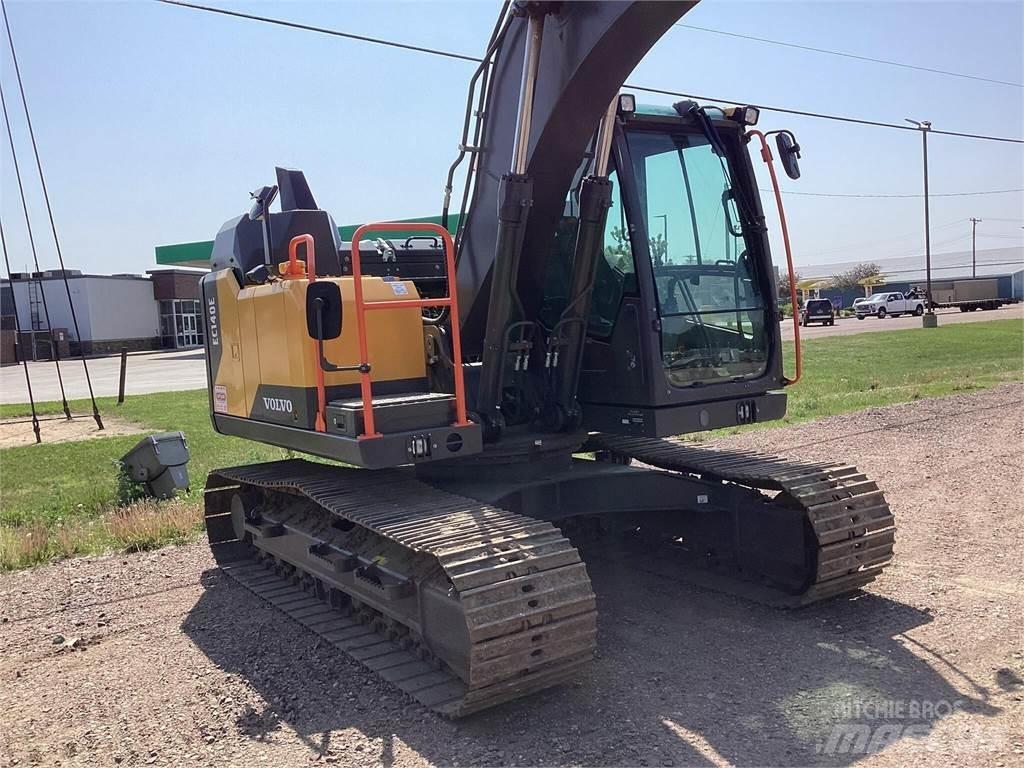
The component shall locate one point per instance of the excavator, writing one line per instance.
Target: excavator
(490, 396)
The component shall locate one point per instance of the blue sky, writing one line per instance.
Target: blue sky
(154, 122)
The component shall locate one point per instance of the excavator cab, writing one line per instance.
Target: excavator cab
(683, 308)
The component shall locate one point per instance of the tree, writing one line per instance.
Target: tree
(784, 291)
(852, 277)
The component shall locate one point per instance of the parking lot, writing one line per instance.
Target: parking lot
(846, 326)
(146, 372)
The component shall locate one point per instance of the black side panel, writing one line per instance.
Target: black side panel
(212, 334)
(296, 406)
(239, 244)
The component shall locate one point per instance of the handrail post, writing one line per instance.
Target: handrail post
(320, 424)
(766, 155)
(365, 384)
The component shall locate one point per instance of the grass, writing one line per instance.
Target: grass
(60, 499)
(850, 373)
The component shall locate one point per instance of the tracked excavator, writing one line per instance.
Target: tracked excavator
(490, 396)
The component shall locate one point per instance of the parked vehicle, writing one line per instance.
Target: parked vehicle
(818, 311)
(888, 304)
(968, 295)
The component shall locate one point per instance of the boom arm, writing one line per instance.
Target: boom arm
(589, 48)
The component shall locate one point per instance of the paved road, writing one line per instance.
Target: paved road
(846, 326)
(147, 372)
(176, 371)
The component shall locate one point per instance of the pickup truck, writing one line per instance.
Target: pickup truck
(892, 304)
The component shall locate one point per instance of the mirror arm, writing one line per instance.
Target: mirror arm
(325, 364)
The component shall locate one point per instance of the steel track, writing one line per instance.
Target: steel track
(853, 526)
(517, 584)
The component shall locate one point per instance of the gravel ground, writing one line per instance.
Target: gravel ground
(165, 662)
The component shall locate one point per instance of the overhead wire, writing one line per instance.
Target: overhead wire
(915, 195)
(49, 211)
(868, 243)
(35, 261)
(17, 333)
(631, 86)
(844, 54)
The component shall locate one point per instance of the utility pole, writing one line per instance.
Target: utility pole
(929, 320)
(974, 250)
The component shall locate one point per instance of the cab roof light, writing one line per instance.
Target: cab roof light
(743, 115)
(627, 103)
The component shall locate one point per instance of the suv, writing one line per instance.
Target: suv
(818, 311)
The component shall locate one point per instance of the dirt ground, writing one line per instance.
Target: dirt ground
(60, 430)
(156, 659)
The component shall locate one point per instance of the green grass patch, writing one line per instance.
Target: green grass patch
(66, 493)
(849, 373)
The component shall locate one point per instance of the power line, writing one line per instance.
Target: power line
(322, 30)
(819, 115)
(475, 60)
(871, 243)
(930, 194)
(850, 55)
(53, 225)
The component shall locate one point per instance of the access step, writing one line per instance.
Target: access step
(392, 413)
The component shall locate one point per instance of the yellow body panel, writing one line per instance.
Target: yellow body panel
(263, 363)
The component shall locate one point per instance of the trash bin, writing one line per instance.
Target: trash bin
(160, 462)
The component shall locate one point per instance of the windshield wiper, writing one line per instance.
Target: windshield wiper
(707, 127)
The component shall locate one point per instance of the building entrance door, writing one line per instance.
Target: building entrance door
(189, 335)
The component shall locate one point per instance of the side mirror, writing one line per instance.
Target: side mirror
(262, 198)
(789, 153)
(323, 310)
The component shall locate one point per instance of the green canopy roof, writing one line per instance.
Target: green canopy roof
(198, 254)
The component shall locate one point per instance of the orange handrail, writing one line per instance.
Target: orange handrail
(365, 384)
(766, 155)
(293, 271)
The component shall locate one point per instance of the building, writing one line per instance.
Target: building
(902, 273)
(159, 310)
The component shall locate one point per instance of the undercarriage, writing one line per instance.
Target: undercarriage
(467, 593)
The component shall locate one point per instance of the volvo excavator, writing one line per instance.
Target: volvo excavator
(488, 397)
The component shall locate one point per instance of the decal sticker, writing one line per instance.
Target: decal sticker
(211, 313)
(399, 289)
(220, 399)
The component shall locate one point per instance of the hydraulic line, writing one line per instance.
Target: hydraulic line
(49, 211)
(35, 259)
(17, 331)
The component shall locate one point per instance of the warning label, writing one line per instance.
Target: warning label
(220, 399)
(399, 289)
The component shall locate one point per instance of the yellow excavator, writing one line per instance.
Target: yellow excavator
(492, 394)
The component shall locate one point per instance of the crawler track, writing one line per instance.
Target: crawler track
(852, 524)
(464, 605)
(460, 604)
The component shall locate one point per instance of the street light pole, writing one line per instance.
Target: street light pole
(929, 320)
(974, 250)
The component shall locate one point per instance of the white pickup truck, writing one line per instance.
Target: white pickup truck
(887, 304)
